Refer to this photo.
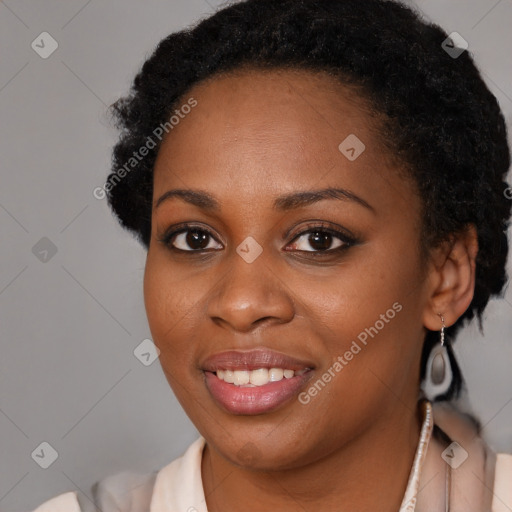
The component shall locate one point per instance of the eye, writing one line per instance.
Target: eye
(320, 239)
(317, 239)
(190, 239)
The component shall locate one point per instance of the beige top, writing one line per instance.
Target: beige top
(450, 478)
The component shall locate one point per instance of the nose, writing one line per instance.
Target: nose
(249, 295)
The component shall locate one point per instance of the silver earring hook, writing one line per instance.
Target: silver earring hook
(442, 330)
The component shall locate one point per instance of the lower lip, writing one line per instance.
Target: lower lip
(254, 400)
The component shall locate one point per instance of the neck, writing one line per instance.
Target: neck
(369, 473)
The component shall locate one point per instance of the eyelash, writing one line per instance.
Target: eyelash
(346, 239)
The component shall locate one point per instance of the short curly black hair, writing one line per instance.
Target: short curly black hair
(441, 121)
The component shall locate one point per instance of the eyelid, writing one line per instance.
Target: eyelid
(319, 225)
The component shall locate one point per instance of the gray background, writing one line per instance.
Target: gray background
(69, 326)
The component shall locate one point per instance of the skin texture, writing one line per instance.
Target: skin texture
(252, 137)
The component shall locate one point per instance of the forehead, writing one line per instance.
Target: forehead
(273, 130)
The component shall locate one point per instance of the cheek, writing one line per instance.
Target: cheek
(171, 303)
(369, 314)
(171, 306)
(355, 294)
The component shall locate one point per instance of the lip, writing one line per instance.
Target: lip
(252, 360)
(259, 399)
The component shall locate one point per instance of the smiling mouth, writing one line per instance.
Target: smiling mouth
(254, 382)
(258, 377)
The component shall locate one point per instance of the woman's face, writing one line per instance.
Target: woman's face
(316, 298)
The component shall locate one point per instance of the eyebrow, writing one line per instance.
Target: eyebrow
(285, 202)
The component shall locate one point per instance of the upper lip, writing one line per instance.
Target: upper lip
(252, 360)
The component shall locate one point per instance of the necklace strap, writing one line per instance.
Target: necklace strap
(413, 485)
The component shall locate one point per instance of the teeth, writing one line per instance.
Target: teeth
(275, 374)
(229, 377)
(258, 377)
(241, 377)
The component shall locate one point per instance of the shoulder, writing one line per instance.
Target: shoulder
(126, 491)
(66, 502)
(503, 483)
(478, 462)
(129, 491)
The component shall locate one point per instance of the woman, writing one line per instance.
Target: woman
(320, 188)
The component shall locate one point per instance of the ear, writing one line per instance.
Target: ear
(451, 277)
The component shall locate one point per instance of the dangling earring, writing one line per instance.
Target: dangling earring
(438, 375)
